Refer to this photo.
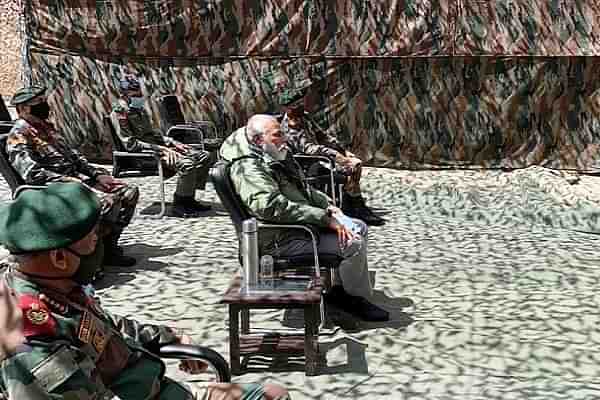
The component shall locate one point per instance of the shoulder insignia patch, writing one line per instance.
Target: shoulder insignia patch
(37, 319)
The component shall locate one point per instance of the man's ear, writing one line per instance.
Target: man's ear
(58, 259)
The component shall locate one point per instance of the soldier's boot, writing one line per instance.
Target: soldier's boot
(182, 207)
(113, 254)
(355, 206)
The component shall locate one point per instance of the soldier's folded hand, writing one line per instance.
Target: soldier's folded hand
(182, 148)
(169, 156)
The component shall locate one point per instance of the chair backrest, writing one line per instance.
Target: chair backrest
(116, 140)
(219, 175)
(11, 176)
(4, 114)
(170, 111)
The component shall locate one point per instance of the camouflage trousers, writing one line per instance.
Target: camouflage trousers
(118, 207)
(192, 170)
(353, 170)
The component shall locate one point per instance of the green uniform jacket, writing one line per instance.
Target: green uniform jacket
(80, 353)
(273, 191)
(136, 130)
(40, 155)
(310, 139)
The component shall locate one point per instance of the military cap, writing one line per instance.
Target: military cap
(48, 218)
(27, 93)
(291, 96)
(129, 82)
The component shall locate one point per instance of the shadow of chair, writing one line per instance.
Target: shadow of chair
(173, 120)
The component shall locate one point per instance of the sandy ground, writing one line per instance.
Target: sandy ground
(492, 291)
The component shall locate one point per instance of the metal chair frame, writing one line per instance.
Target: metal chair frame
(120, 152)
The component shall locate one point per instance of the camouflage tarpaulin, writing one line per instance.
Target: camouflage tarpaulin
(403, 83)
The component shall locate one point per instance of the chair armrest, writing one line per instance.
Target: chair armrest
(190, 128)
(27, 187)
(302, 227)
(128, 154)
(192, 352)
(327, 160)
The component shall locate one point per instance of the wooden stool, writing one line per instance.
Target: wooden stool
(273, 344)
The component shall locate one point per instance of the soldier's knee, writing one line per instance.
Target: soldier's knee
(275, 392)
(131, 194)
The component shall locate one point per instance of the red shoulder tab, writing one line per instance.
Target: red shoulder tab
(37, 319)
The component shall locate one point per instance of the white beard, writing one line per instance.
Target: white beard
(277, 153)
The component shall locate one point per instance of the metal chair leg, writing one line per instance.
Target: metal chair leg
(163, 206)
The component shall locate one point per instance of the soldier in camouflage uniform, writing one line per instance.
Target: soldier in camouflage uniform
(40, 155)
(138, 134)
(306, 137)
(68, 347)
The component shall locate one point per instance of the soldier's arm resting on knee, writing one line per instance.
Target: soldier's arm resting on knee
(128, 134)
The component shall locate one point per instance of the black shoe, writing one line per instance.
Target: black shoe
(365, 214)
(118, 260)
(355, 305)
(183, 211)
(199, 207)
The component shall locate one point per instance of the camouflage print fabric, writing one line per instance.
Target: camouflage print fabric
(41, 155)
(407, 84)
(77, 350)
(138, 134)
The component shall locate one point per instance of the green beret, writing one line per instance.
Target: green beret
(291, 96)
(25, 94)
(52, 217)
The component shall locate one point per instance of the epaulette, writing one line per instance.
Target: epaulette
(37, 318)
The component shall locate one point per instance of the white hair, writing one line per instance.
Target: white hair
(256, 126)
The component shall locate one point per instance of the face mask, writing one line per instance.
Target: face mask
(136, 102)
(88, 264)
(41, 110)
(279, 154)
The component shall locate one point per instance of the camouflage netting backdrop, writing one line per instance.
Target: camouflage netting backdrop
(402, 83)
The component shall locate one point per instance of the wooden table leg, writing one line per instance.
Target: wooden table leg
(245, 321)
(311, 317)
(234, 339)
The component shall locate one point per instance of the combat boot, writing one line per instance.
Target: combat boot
(113, 254)
(182, 209)
(196, 205)
(355, 207)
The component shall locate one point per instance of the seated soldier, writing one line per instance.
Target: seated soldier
(271, 186)
(40, 155)
(137, 134)
(306, 137)
(74, 349)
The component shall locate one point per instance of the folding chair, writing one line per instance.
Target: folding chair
(321, 173)
(173, 120)
(238, 213)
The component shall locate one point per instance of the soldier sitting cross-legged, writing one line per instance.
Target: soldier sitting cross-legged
(57, 341)
(138, 134)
